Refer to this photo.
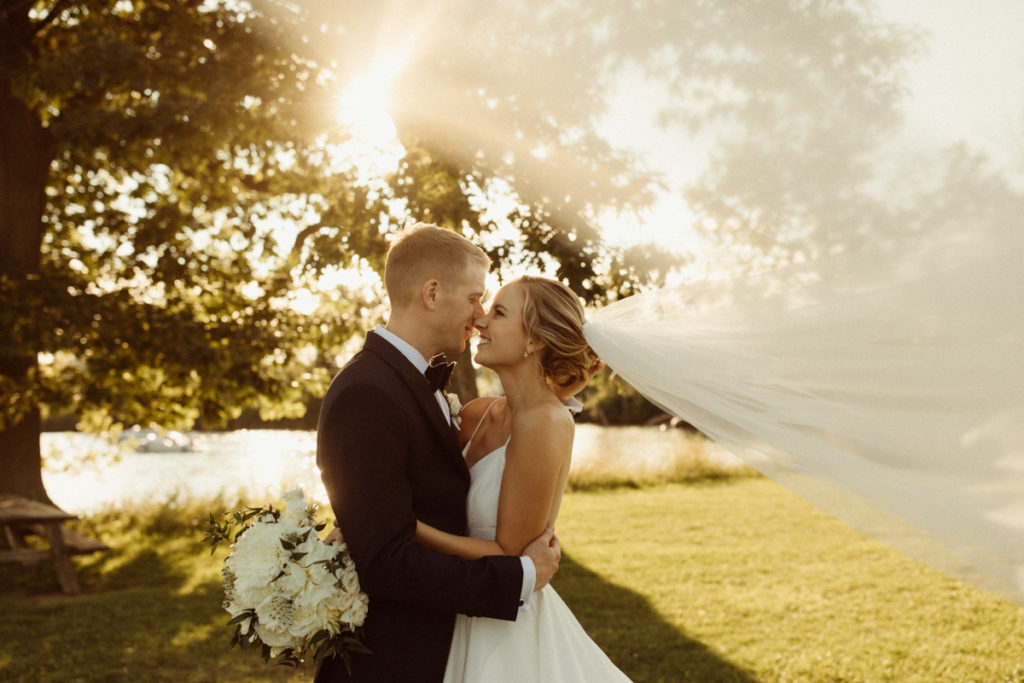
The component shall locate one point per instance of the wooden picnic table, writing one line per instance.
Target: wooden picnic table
(20, 516)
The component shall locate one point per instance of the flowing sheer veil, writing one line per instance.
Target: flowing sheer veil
(878, 374)
(896, 404)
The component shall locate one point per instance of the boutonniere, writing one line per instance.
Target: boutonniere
(454, 407)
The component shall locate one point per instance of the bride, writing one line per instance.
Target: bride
(518, 449)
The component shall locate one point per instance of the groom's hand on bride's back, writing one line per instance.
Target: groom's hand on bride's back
(546, 552)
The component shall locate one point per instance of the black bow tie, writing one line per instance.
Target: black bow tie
(439, 372)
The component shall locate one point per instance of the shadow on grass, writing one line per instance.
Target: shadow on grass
(121, 567)
(647, 648)
(151, 610)
(145, 613)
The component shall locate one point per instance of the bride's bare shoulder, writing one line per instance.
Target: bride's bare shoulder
(544, 421)
(475, 409)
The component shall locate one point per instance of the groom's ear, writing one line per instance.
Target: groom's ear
(429, 293)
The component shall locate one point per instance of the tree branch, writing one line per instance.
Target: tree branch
(301, 237)
(51, 16)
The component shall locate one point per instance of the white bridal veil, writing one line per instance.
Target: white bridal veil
(896, 405)
(847, 179)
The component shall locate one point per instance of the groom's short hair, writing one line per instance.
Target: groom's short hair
(426, 251)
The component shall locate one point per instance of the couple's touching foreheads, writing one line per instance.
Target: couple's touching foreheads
(449, 518)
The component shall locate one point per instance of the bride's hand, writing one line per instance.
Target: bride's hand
(334, 537)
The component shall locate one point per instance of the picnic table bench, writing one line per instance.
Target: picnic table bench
(21, 516)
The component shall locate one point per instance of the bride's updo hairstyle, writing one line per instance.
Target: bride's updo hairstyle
(554, 315)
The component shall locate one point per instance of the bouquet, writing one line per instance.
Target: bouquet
(286, 590)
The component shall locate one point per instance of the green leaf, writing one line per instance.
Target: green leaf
(242, 616)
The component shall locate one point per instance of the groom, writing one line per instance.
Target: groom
(389, 455)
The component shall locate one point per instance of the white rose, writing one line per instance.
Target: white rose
(355, 615)
(454, 407)
(350, 580)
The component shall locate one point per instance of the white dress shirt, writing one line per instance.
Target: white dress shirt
(421, 364)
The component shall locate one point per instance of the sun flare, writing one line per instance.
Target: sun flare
(364, 109)
(364, 105)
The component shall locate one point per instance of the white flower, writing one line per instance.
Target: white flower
(455, 407)
(257, 558)
(350, 581)
(275, 613)
(355, 615)
(277, 639)
(295, 505)
(293, 583)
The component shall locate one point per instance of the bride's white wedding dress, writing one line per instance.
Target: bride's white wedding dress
(545, 644)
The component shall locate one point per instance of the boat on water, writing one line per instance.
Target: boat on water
(155, 441)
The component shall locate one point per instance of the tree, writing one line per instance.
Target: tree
(172, 178)
(147, 149)
(167, 187)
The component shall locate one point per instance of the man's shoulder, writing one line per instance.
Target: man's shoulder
(364, 368)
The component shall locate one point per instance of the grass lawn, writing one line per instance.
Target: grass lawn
(740, 580)
(733, 579)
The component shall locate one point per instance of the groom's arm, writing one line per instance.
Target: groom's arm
(363, 446)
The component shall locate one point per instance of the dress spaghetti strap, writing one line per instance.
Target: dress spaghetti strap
(465, 449)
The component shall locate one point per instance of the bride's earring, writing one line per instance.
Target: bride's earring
(526, 354)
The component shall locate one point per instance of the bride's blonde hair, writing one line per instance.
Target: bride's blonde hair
(553, 314)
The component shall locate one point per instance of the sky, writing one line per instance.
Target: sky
(967, 86)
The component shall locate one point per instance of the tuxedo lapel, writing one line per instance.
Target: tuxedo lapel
(419, 388)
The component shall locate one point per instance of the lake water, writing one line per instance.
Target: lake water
(85, 473)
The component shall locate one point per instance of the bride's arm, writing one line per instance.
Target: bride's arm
(463, 546)
(536, 463)
(537, 456)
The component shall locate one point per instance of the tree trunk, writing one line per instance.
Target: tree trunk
(26, 151)
(463, 381)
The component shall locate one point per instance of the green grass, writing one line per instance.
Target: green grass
(720, 580)
(740, 580)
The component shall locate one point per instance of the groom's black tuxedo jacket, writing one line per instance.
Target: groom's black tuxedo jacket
(388, 457)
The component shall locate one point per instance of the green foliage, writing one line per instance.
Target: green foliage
(235, 523)
(197, 183)
(194, 189)
(609, 400)
(165, 283)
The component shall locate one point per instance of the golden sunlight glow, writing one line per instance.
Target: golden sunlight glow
(373, 148)
(364, 110)
(364, 105)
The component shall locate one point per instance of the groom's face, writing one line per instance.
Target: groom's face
(459, 305)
